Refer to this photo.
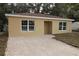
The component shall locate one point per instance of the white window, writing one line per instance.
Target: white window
(27, 25)
(62, 25)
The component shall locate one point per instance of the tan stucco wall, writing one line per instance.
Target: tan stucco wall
(14, 27)
(55, 27)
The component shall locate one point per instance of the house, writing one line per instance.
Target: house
(30, 24)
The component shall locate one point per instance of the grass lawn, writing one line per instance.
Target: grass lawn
(3, 43)
(69, 38)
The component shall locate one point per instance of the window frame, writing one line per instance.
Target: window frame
(62, 26)
(31, 25)
(28, 26)
(23, 25)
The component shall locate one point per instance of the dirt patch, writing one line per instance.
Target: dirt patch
(3, 43)
(69, 38)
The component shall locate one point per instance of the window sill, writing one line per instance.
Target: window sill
(62, 30)
(27, 31)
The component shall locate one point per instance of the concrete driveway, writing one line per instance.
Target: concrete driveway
(39, 46)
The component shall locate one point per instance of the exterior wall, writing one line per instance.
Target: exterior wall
(14, 27)
(55, 27)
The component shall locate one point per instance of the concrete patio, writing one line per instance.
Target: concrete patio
(39, 46)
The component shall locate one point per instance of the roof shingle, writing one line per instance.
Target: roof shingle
(38, 14)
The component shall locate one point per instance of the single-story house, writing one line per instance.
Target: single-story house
(29, 24)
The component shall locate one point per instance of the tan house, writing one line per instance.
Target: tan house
(37, 24)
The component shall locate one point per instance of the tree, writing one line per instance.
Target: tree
(3, 19)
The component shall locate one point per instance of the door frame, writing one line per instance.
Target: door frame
(47, 27)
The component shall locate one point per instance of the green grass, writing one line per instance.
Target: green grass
(69, 38)
(3, 43)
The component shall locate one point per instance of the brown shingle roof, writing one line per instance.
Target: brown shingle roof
(38, 14)
(33, 15)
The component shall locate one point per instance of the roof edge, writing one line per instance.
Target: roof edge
(15, 15)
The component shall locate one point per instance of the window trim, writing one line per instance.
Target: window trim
(27, 26)
(63, 25)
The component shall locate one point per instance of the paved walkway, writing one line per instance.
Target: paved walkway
(39, 46)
